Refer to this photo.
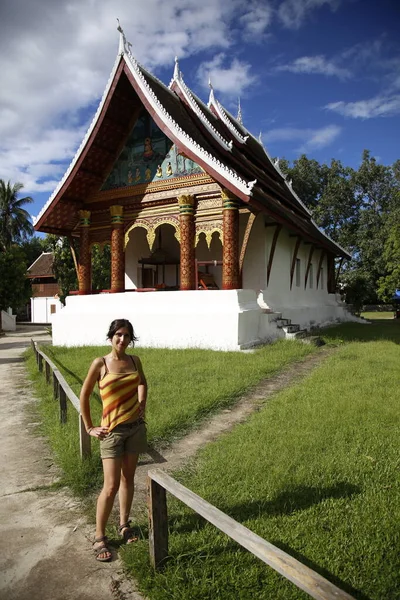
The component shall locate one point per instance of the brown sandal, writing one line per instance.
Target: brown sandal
(127, 533)
(102, 549)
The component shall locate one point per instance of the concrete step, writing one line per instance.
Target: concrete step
(282, 322)
(297, 335)
(291, 328)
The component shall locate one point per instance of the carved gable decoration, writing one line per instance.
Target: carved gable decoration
(148, 156)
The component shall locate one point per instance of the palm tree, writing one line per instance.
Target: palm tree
(15, 225)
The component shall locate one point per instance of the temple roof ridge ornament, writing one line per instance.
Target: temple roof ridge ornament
(177, 73)
(222, 113)
(184, 137)
(197, 109)
(239, 117)
(124, 45)
(211, 99)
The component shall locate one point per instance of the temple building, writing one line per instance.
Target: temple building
(210, 245)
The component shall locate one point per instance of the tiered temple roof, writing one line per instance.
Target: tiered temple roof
(206, 134)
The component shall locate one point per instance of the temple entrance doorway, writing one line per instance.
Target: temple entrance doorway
(209, 251)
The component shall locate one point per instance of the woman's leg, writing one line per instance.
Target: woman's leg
(126, 487)
(112, 475)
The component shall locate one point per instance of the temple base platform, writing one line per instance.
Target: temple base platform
(209, 319)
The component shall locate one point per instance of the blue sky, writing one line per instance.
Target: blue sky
(315, 76)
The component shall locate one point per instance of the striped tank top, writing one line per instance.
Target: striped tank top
(119, 395)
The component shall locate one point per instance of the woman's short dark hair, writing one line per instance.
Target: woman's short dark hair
(117, 324)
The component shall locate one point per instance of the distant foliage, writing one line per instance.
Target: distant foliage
(360, 210)
(64, 266)
(15, 223)
(14, 287)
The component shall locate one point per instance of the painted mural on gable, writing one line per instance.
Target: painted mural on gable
(148, 156)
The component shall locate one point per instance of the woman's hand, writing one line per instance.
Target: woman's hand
(98, 432)
(142, 410)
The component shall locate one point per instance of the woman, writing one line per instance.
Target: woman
(122, 433)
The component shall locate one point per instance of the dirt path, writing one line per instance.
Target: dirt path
(44, 548)
(176, 455)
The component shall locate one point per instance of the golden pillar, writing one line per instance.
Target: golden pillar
(85, 261)
(230, 248)
(117, 249)
(187, 235)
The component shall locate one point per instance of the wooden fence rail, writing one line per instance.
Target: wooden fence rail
(303, 577)
(62, 392)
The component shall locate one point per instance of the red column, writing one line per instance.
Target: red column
(85, 262)
(117, 249)
(187, 235)
(230, 248)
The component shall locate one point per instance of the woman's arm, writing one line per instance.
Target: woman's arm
(142, 388)
(86, 391)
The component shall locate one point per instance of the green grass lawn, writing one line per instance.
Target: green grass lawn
(184, 387)
(378, 315)
(315, 472)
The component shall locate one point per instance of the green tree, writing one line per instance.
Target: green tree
(378, 191)
(33, 248)
(306, 176)
(390, 281)
(14, 291)
(101, 267)
(64, 266)
(15, 224)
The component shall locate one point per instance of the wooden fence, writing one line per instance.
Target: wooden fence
(62, 392)
(303, 577)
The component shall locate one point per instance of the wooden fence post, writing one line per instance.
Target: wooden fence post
(47, 371)
(63, 404)
(56, 386)
(40, 363)
(84, 439)
(158, 523)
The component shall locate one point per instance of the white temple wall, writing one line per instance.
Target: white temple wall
(254, 265)
(218, 320)
(307, 306)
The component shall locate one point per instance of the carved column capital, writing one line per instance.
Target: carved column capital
(186, 204)
(84, 218)
(229, 200)
(117, 214)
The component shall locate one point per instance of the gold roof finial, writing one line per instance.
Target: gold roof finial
(239, 117)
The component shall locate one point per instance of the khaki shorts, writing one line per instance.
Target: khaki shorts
(127, 438)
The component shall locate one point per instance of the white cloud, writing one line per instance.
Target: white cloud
(55, 59)
(256, 20)
(230, 79)
(292, 13)
(380, 106)
(315, 65)
(312, 139)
